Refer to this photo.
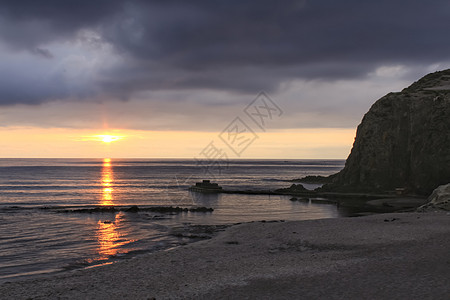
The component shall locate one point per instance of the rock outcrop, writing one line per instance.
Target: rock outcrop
(403, 142)
(439, 199)
(293, 189)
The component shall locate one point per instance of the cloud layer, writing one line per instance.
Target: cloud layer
(105, 50)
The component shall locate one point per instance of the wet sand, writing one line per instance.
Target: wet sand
(389, 256)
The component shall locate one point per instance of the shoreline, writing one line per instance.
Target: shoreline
(187, 234)
(364, 202)
(396, 255)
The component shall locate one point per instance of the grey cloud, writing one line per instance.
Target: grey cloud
(242, 46)
(42, 52)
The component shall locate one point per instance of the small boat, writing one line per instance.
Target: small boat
(206, 187)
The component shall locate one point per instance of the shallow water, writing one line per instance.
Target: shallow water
(34, 240)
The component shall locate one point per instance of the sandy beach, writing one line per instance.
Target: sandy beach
(387, 256)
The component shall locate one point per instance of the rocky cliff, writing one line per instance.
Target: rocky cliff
(402, 142)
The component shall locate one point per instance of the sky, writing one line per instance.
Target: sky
(172, 78)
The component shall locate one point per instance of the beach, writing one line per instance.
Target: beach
(395, 256)
(224, 150)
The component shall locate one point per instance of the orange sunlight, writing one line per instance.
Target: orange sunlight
(110, 238)
(107, 180)
(106, 138)
(33, 142)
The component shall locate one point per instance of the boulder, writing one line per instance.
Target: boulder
(439, 199)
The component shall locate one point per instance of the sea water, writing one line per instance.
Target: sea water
(40, 232)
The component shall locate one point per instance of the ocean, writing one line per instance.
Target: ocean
(41, 231)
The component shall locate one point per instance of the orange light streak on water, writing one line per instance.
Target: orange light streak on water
(109, 236)
(107, 183)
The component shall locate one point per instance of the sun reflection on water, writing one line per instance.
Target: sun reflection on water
(109, 232)
(110, 238)
(107, 181)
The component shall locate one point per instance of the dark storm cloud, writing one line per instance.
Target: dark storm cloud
(197, 35)
(28, 24)
(242, 46)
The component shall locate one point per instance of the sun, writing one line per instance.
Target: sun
(106, 138)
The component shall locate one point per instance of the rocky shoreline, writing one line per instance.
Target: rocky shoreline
(370, 202)
(401, 152)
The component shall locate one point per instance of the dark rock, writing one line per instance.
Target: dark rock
(297, 187)
(133, 209)
(201, 209)
(293, 189)
(402, 142)
(166, 209)
(303, 199)
(98, 209)
(439, 199)
(206, 186)
(314, 179)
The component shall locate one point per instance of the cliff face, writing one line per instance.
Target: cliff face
(402, 142)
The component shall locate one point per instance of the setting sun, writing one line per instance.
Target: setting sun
(104, 138)
(109, 138)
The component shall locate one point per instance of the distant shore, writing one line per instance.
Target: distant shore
(400, 255)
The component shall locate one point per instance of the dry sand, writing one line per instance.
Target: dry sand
(390, 256)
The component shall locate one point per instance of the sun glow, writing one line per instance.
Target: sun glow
(106, 138)
(312, 143)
